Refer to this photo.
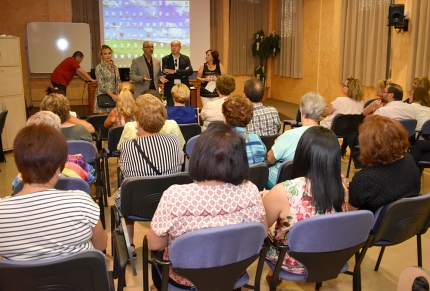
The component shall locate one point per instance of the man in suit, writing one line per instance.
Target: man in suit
(145, 71)
(176, 68)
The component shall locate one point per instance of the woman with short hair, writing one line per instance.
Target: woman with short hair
(180, 112)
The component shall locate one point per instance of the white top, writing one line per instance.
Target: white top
(342, 105)
(422, 114)
(212, 111)
(397, 110)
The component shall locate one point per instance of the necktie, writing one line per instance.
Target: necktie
(176, 64)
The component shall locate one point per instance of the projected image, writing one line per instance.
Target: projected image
(127, 24)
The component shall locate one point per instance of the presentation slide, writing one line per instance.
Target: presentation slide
(127, 24)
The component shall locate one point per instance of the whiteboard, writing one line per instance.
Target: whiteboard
(49, 43)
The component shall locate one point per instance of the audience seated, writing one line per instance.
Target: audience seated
(124, 110)
(380, 87)
(222, 194)
(390, 172)
(265, 120)
(395, 108)
(317, 188)
(180, 112)
(163, 152)
(312, 106)
(420, 101)
(352, 104)
(225, 84)
(237, 111)
(65, 221)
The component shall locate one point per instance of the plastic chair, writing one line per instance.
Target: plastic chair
(368, 102)
(324, 244)
(408, 276)
(284, 172)
(64, 183)
(3, 115)
(269, 140)
(421, 232)
(346, 124)
(110, 151)
(212, 258)
(190, 130)
(399, 221)
(409, 125)
(259, 175)
(293, 123)
(189, 146)
(101, 134)
(139, 200)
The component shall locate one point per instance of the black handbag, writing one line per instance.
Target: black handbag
(105, 101)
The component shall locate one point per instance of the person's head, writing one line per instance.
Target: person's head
(148, 48)
(128, 86)
(150, 113)
(78, 56)
(317, 158)
(175, 47)
(380, 86)
(225, 84)
(237, 111)
(219, 155)
(352, 89)
(57, 104)
(45, 118)
(253, 90)
(312, 105)
(382, 141)
(421, 96)
(415, 83)
(153, 92)
(180, 93)
(125, 103)
(56, 90)
(424, 82)
(392, 92)
(106, 53)
(40, 152)
(212, 56)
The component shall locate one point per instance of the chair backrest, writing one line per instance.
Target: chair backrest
(269, 140)
(3, 115)
(401, 219)
(346, 124)
(190, 145)
(324, 243)
(114, 135)
(86, 149)
(285, 171)
(368, 102)
(217, 256)
(81, 271)
(64, 183)
(98, 121)
(140, 195)
(190, 130)
(298, 115)
(259, 174)
(425, 130)
(408, 276)
(409, 125)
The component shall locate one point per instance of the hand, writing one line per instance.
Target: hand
(169, 71)
(376, 104)
(163, 79)
(145, 78)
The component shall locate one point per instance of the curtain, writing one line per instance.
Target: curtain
(216, 27)
(87, 11)
(419, 42)
(364, 40)
(246, 18)
(290, 29)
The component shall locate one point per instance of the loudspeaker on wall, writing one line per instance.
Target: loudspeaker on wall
(396, 14)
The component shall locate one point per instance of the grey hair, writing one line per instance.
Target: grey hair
(45, 118)
(312, 105)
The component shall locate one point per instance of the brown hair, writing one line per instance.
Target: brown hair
(104, 47)
(181, 93)
(39, 150)
(355, 92)
(382, 140)
(57, 104)
(215, 55)
(424, 82)
(421, 95)
(150, 113)
(237, 110)
(225, 84)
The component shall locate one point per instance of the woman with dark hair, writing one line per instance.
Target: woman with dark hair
(390, 172)
(222, 194)
(65, 222)
(208, 72)
(317, 188)
(420, 101)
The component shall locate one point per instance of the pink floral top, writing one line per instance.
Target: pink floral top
(298, 193)
(190, 207)
(121, 119)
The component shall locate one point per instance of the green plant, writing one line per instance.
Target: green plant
(264, 47)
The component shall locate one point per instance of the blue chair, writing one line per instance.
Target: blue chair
(114, 135)
(368, 102)
(424, 133)
(64, 183)
(409, 125)
(190, 145)
(284, 172)
(259, 175)
(190, 130)
(212, 258)
(324, 244)
(101, 134)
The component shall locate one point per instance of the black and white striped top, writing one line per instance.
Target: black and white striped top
(163, 150)
(46, 224)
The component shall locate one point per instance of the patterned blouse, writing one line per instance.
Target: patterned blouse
(298, 193)
(107, 79)
(121, 119)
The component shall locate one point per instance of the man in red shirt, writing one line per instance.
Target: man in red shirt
(65, 71)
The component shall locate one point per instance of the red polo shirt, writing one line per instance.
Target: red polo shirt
(65, 71)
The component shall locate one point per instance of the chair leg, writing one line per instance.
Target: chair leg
(101, 206)
(381, 253)
(103, 182)
(318, 286)
(107, 176)
(145, 267)
(128, 245)
(2, 157)
(419, 251)
(349, 164)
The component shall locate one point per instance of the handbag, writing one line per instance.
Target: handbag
(105, 101)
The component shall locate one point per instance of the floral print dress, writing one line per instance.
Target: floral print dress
(299, 196)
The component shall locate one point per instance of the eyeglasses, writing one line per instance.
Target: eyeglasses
(386, 92)
(148, 47)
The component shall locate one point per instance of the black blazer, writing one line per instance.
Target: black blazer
(181, 73)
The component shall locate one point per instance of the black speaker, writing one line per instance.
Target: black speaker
(396, 14)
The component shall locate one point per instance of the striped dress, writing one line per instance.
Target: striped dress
(46, 224)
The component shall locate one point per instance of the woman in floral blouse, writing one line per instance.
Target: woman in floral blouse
(317, 188)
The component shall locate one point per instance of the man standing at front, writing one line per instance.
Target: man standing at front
(145, 71)
(177, 68)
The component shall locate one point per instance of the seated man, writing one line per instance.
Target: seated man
(312, 106)
(265, 121)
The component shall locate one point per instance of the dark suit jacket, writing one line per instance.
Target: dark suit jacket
(181, 73)
(138, 69)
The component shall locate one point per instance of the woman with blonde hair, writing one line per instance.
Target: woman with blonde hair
(124, 110)
(380, 87)
(180, 112)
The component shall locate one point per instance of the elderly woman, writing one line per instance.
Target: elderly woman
(180, 112)
(237, 111)
(390, 172)
(317, 188)
(351, 104)
(66, 221)
(59, 105)
(151, 153)
(219, 166)
(124, 110)
(212, 111)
